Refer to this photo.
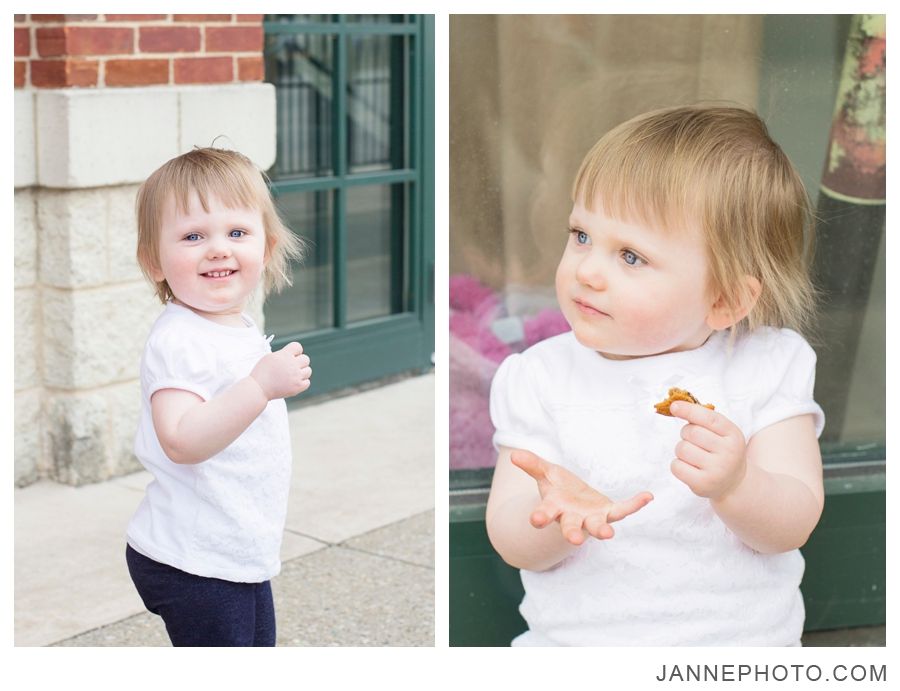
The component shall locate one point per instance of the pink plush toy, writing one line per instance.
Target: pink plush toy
(475, 353)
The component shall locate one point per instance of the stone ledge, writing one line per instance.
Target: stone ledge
(96, 138)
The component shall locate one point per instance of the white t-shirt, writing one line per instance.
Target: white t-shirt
(224, 517)
(674, 574)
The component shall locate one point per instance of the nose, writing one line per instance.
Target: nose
(218, 248)
(590, 273)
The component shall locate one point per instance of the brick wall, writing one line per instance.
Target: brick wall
(120, 50)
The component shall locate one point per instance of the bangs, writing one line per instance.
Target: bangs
(215, 176)
(633, 180)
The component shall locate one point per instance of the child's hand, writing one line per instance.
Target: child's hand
(283, 373)
(712, 454)
(576, 505)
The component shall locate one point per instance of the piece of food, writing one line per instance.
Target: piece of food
(676, 394)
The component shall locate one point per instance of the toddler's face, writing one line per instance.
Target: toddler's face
(630, 290)
(212, 260)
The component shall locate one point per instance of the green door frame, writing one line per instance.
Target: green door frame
(351, 353)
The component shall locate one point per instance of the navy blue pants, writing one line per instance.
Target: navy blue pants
(202, 611)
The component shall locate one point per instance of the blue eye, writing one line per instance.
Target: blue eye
(581, 238)
(192, 237)
(631, 258)
(236, 233)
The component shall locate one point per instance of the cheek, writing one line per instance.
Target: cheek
(177, 266)
(654, 318)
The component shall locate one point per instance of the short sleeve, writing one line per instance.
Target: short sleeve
(518, 410)
(172, 361)
(787, 384)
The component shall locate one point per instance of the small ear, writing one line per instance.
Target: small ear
(723, 315)
(271, 244)
(155, 271)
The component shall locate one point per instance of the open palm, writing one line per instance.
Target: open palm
(577, 506)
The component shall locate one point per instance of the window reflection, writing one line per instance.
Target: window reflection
(376, 247)
(377, 103)
(530, 95)
(300, 66)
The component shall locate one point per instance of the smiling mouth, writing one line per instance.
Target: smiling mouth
(219, 274)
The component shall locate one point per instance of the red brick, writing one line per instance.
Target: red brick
(234, 39)
(51, 42)
(203, 70)
(20, 18)
(202, 17)
(20, 74)
(133, 17)
(22, 42)
(137, 72)
(63, 73)
(250, 17)
(251, 69)
(94, 40)
(169, 39)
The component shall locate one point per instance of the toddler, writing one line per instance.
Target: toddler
(213, 431)
(686, 265)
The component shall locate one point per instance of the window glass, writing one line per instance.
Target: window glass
(377, 122)
(376, 244)
(529, 95)
(308, 304)
(300, 66)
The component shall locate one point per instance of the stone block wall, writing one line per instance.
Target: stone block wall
(82, 147)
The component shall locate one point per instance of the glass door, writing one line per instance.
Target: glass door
(354, 177)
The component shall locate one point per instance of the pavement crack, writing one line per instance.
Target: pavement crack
(385, 556)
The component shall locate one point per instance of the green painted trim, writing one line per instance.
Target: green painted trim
(342, 26)
(339, 129)
(331, 182)
(362, 353)
(427, 163)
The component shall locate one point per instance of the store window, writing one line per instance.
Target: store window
(531, 94)
(528, 96)
(354, 176)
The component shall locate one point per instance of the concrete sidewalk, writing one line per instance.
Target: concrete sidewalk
(358, 551)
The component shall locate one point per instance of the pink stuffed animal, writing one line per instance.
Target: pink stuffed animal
(475, 353)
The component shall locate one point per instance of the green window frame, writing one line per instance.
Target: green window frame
(347, 352)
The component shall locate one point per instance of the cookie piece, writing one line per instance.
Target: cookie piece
(676, 394)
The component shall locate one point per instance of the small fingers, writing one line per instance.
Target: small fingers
(701, 437)
(696, 414)
(545, 513)
(620, 509)
(597, 526)
(688, 474)
(294, 348)
(570, 523)
(532, 464)
(692, 454)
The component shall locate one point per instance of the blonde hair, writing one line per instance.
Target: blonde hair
(236, 182)
(716, 167)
